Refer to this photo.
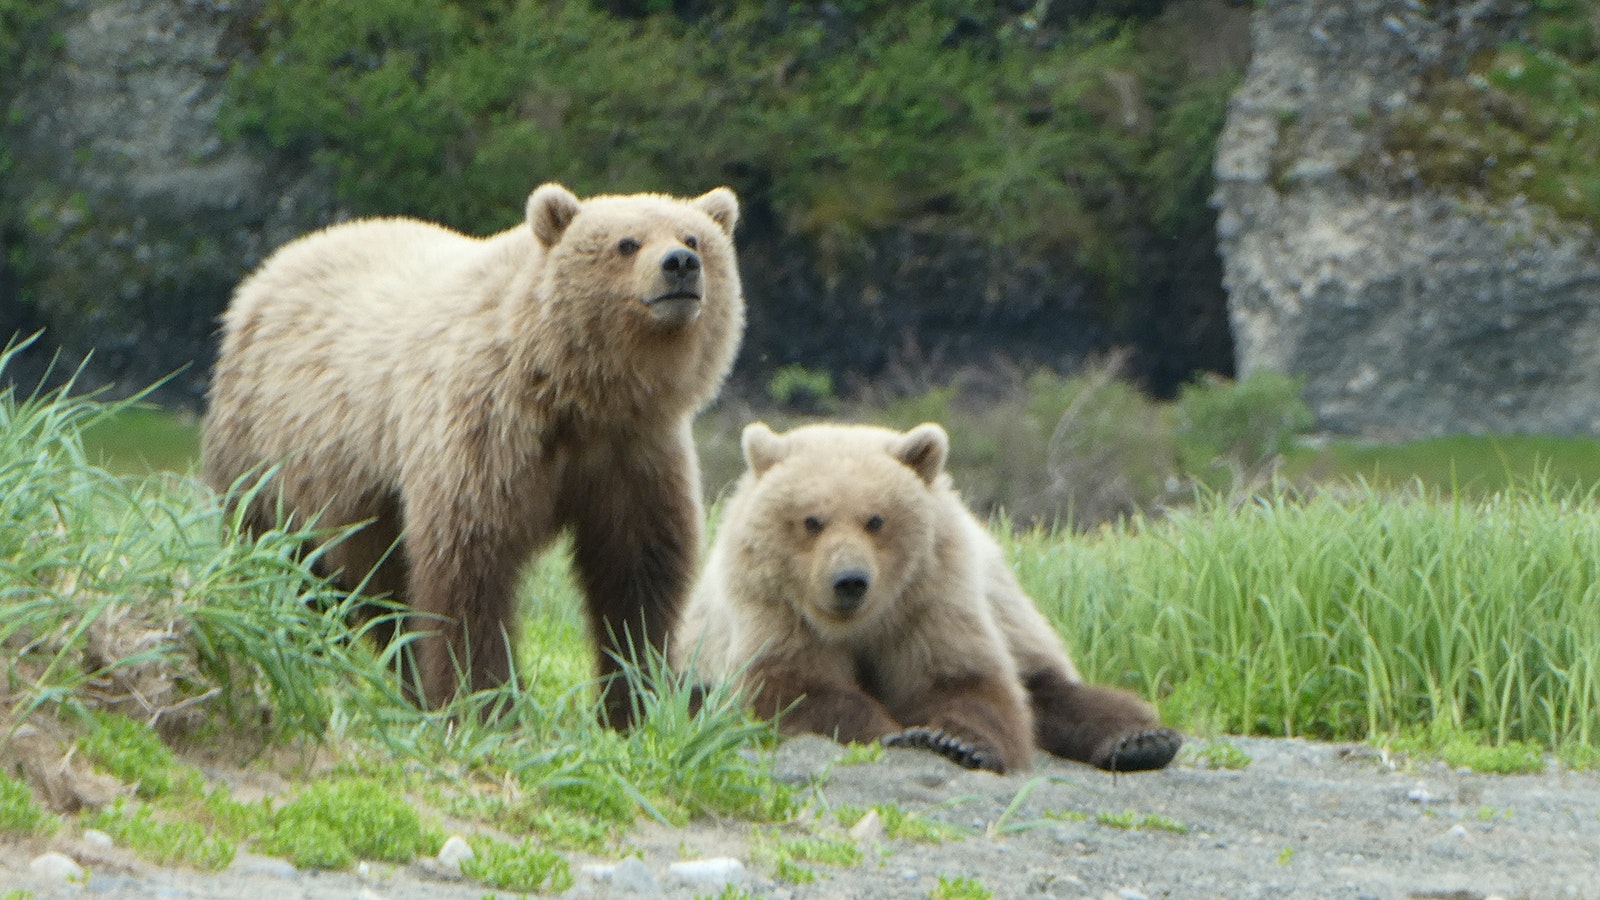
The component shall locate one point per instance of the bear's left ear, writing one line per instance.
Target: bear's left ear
(722, 206)
(923, 449)
(762, 447)
(551, 208)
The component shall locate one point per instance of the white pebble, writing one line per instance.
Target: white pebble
(97, 839)
(454, 852)
(55, 867)
(1459, 831)
(1420, 795)
(713, 872)
(869, 829)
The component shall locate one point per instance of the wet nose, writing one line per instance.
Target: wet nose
(681, 263)
(849, 587)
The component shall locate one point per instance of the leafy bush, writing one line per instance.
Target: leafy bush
(840, 119)
(1237, 427)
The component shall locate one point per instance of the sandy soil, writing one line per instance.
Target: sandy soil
(1301, 820)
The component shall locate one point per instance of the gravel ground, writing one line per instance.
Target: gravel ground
(1302, 819)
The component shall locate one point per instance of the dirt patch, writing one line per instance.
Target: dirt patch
(1303, 819)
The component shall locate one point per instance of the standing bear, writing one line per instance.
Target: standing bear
(851, 590)
(471, 398)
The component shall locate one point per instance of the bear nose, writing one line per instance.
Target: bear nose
(849, 587)
(680, 263)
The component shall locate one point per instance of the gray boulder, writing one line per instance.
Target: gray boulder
(1409, 310)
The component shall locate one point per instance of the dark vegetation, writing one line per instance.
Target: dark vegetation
(957, 180)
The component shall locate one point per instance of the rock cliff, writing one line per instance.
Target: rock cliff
(1410, 309)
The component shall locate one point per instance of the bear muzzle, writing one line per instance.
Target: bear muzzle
(678, 287)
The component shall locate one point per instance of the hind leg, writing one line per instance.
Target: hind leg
(1101, 726)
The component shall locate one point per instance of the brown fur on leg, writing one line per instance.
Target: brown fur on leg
(1102, 726)
(981, 711)
(828, 707)
(636, 544)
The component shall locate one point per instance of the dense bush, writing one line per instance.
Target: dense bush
(838, 118)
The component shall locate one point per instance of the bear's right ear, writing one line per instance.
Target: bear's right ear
(722, 205)
(551, 208)
(924, 449)
(762, 447)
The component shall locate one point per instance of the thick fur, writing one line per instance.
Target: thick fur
(943, 649)
(471, 398)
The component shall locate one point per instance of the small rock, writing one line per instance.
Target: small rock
(1458, 831)
(631, 876)
(55, 867)
(714, 872)
(1420, 794)
(363, 870)
(869, 829)
(97, 839)
(454, 852)
(1130, 894)
(247, 864)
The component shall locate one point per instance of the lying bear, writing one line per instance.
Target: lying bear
(851, 590)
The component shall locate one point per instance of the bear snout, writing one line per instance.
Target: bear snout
(849, 588)
(681, 263)
(675, 297)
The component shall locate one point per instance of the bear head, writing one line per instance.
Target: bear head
(648, 279)
(841, 519)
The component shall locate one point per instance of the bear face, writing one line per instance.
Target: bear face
(846, 539)
(645, 276)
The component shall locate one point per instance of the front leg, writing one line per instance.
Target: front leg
(636, 543)
(815, 702)
(978, 719)
(462, 599)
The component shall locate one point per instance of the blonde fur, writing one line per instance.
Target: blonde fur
(478, 395)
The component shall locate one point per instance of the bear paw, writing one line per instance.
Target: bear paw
(1140, 751)
(951, 747)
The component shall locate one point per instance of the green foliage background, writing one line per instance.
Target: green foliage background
(839, 119)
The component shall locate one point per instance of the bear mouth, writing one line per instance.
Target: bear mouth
(674, 297)
(675, 308)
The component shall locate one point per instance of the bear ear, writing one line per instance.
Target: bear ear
(923, 449)
(722, 206)
(551, 208)
(762, 447)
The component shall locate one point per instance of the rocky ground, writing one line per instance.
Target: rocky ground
(1301, 819)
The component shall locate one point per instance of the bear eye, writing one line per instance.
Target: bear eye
(875, 524)
(813, 525)
(627, 246)
(692, 242)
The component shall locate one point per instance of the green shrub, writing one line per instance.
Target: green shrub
(450, 111)
(1237, 427)
(19, 814)
(332, 823)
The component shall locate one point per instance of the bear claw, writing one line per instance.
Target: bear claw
(951, 747)
(1142, 751)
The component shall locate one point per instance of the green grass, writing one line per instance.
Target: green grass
(960, 888)
(1475, 465)
(517, 867)
(140, 440)
(1347, 614)
(332, 823)
(19, 814)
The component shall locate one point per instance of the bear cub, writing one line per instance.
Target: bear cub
(470, 398)
(850, 589)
